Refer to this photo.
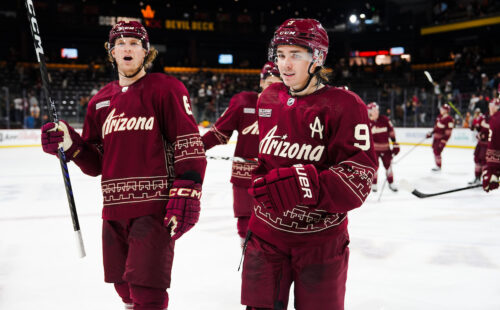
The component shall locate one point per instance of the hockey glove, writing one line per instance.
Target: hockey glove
(428, 135)
(284, 188)
(62, 135)
(395, 149)
(183, 208)
(490, 180)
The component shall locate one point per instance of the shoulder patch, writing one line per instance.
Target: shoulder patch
(102, 104)
(265, 112)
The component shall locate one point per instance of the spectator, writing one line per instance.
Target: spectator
(35, 114)
(18, 110)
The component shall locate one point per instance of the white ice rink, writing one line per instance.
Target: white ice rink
(406, 253)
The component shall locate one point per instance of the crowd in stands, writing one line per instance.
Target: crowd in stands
(450, 11)
(405, 95)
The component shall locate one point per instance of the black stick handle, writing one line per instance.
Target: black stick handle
(35, 31)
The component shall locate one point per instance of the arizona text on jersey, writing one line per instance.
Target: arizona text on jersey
(329, 129)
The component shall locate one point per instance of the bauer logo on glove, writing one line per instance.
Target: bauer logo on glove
(284, 188)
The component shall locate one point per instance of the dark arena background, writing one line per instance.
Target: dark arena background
(379, 49)
(434, 244)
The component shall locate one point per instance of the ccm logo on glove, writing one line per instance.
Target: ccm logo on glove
(185, 192)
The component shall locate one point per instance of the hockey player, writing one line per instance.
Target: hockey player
(382, 130)
(442, 132)
(480, 124)
(241, 115)
(316, 163)
(140, 135)
(491, 173)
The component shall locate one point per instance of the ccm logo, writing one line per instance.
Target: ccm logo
(34, 29)
(305, 186)
(185, 192)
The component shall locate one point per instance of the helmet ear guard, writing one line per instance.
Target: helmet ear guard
(319, 57)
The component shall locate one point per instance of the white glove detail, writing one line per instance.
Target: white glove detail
(67, 142)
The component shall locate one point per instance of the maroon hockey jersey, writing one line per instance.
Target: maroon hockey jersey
(443, 127)
(382, 130)
(147, 137)
(241, 116)
(481, 124)
(493, 151)
(329, 129)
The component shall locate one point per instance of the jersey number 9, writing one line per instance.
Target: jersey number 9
(362, 134)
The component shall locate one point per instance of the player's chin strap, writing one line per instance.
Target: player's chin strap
(136, 72)
(311, 75)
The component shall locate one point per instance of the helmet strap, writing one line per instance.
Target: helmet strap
(136, 72)
(311, 75)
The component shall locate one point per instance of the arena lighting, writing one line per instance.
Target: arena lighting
(397, 50)
(69, 53)
(372, 53)
(367, 54)
(353, 18)
(226, 59)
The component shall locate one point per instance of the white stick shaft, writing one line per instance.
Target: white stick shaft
(79, 244)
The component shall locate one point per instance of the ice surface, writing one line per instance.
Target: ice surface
(406, 253)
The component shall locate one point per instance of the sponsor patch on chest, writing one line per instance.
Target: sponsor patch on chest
(265, 112)
(249, 110)
(102, 104)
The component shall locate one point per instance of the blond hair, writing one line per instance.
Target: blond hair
(323, 74)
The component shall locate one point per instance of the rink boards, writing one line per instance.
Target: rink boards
(460, 138)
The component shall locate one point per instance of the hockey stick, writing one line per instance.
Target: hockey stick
(429, 78)
(235, 159)
(410, 150)
(407, 186)
(35, 31)
(382, 190)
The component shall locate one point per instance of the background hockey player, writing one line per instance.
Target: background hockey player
(140, 135)
(442, 131)
(241, 115)
(491, 173)
(383, 131)
(480, 123)
(316, 162)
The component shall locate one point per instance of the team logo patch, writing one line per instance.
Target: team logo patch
(249, 110)
(265, 112)
(102, 104)
(290, 102)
